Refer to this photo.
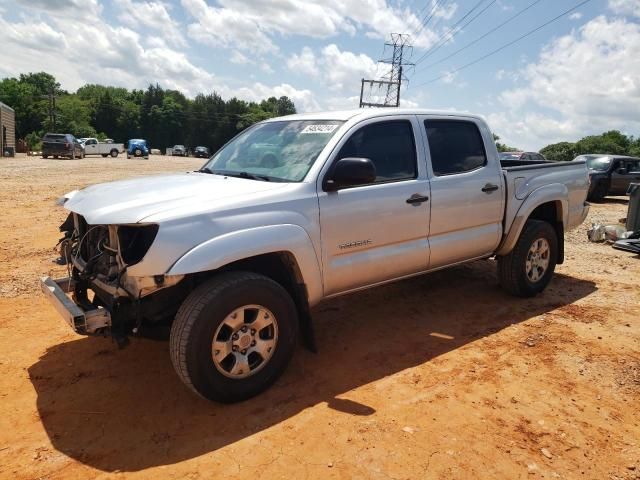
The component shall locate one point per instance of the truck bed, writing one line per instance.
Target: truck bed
(522, 177)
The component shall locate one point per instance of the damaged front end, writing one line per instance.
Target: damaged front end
(103, 297)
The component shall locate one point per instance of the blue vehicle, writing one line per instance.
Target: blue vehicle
(137, 148)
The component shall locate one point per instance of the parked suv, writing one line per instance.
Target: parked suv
(201, 152)
(179, 151)
(61, 145)
(610, 174)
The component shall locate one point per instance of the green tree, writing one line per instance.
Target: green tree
(502, 147)
(560, 152)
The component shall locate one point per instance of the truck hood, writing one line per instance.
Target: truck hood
(131, 201)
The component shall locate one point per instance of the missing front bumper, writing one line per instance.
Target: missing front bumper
(84, 322)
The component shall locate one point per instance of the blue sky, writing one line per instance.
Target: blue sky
(577, 76)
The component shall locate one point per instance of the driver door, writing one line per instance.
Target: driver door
(375, 232)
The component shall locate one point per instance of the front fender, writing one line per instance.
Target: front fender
(242, 244)
(555, 192)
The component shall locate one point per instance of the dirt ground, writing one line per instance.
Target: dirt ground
(438, 377)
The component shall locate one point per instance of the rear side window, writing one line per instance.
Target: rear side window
(389, 145)
(456, 146)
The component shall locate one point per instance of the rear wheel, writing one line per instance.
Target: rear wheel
(45, 156)
(114, 153)
(104, 155)
(528, 269)
(234, 336)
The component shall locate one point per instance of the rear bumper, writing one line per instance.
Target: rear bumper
(84, 322)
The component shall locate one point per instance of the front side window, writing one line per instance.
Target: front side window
(456, 146)
(389, 145)
(278, 151)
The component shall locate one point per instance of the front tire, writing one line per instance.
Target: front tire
(528, 269)
(233, 336)
(599, 192)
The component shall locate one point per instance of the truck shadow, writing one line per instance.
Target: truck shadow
(126, 410)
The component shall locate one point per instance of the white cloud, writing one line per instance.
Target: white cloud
(585, 82)
(238, 58)
(575, 16)
(337, 69)
(118, 58)
(88, 9)
(304, 63)
(151, 15)
(251, 24)
(625, 7)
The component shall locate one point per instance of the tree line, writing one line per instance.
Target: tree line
(161, 116)
(612, 142)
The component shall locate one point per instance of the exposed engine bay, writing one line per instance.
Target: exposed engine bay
(97, 258)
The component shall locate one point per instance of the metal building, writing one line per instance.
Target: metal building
(7, 130)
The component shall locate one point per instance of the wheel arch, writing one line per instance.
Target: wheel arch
(548, 203)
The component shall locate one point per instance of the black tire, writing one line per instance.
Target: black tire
(128, 156)
(104, 155)
(198, 319)
(45, 156)
(137, 152)
(512, 270)
(599, 192)
(55, 156)
(114, 153)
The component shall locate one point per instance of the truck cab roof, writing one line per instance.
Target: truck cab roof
(365, 113)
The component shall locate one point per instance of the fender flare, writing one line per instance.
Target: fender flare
(555, 192)
(242, 244)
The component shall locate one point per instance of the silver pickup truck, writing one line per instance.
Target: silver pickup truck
(295, 210)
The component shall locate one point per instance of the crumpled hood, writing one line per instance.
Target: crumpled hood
(131, 201)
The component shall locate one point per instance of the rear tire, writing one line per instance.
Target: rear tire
(527, 270)
(104, 155)
(45, 156)
(203, 323)
(114, 153)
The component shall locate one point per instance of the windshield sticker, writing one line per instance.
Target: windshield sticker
(319, 128)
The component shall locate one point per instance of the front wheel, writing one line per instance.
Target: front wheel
(528, 269)
(233, 336)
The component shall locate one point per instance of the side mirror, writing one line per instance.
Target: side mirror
(350, 172)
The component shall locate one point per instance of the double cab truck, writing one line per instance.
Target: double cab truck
(93, 147)
(296, 210)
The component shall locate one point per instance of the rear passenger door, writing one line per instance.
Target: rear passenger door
(467, 191)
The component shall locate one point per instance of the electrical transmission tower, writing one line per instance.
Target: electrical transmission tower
(386, 91)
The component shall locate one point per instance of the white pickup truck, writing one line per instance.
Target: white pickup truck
(93, 147)
(295, 210)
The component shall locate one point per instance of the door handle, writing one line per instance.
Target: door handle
(488, 188)
(417, 198)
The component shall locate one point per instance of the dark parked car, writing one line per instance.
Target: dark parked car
(610, 174)
(521, 156)
(61, 145)
(179, 151)
(138, 148)
(201, 152)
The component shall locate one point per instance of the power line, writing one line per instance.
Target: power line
(427, 18)
(499, 49)
(473, 42)
(442, 43)
(450, 30)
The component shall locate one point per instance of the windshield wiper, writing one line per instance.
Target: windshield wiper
(251, 176)
(207, 170)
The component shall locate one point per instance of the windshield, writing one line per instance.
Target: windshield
(281, 150)
(600, 164)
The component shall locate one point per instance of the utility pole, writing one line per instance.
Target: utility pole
(52, 108)
(391, 83)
